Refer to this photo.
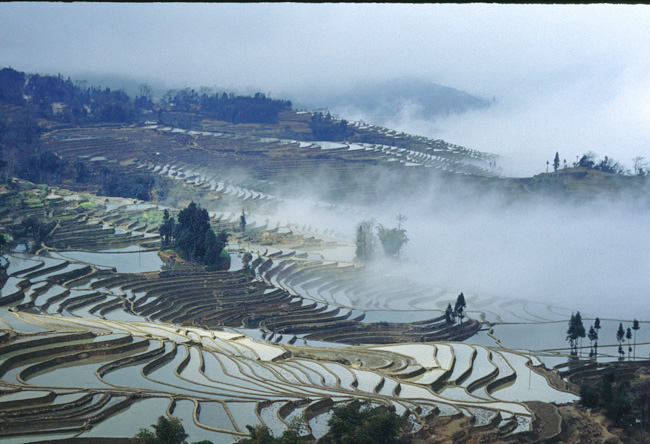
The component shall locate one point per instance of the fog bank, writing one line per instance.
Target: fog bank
(588, 256)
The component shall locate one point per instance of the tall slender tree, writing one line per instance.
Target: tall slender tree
(597, 327)
(620, 337)
(628, 336)
(556, 162)
(571, 332)
(166, 229)
(242, 221)
(580, 329)
(597, 324)
(635, 327)
(575, 332)
(593, 339)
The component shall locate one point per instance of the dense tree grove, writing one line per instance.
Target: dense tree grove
(11, 86)
(228, 107)
(366, 425)
(243, 109)
(607, 165)
(349, 424)
(58, 98)
(165, 431)
(262, 435)
(114, 183)
(325, 127)
(193, 238)
(608, 394)
(19, 141)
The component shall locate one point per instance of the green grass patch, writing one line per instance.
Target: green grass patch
(151, 218)
(88, 205)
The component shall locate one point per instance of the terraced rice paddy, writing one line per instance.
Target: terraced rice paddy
(96, 331)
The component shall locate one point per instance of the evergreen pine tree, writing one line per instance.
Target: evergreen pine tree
(628, 336)
(580, 329)
(571, 335)
(242, 221)
(593, 337)
(460, 306)
(620, 335)
(635, 327)
(449, 313)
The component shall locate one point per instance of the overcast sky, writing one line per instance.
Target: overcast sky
(571, 78)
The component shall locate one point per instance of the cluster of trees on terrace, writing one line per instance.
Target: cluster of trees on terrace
(193, 237)
(349, 424)
(622, 334)
(165, 431)
(226, 106)
(577, 331)
(327, 128)
(624, 398)
(453, 315)
(392, 239)
(607, 165)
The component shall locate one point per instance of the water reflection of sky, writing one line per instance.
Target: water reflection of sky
(126, 262)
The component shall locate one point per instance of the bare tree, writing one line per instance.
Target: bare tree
(144, 90)
(640, 165)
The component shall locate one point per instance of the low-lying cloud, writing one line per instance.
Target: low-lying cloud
(588, 256)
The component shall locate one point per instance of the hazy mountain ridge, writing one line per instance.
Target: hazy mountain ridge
(386, 100)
